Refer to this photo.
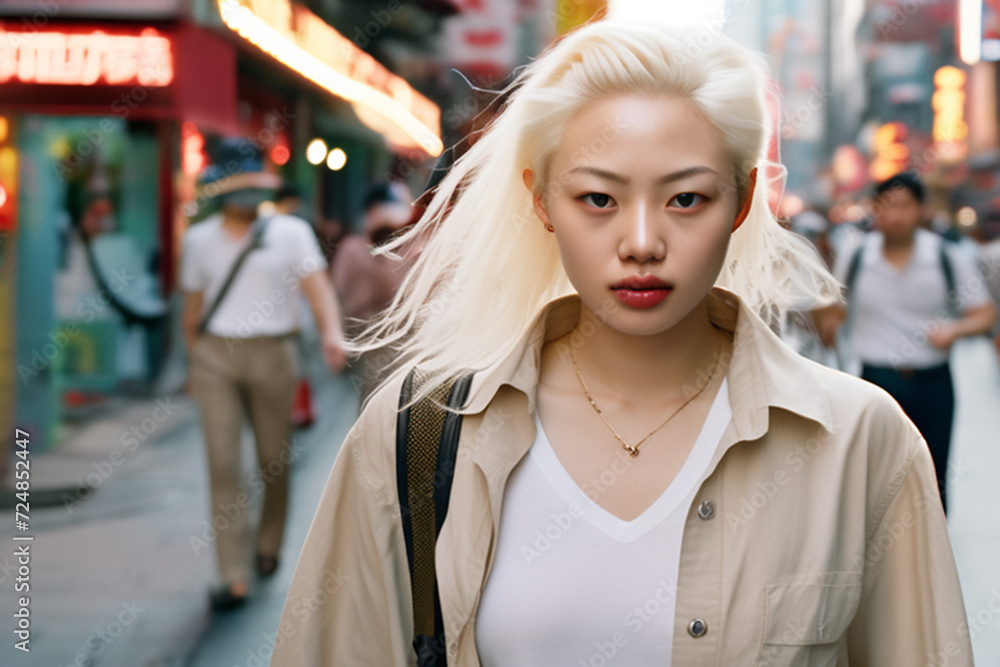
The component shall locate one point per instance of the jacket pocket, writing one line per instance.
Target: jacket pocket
(804, 621)
(814, 611)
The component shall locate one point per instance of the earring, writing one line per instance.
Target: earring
(549, 228)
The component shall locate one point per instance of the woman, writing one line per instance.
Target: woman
(629, 394)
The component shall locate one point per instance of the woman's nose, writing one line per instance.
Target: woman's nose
(642, 236)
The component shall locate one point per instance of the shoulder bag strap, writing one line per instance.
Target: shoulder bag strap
(258, 233)
(949, 273)
(426, 449)
(852, 268)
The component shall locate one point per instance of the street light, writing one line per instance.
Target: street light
(970, 30)
(336, 159)
(316, 151)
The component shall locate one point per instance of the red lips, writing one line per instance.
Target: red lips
(641, 283)
(641, 291)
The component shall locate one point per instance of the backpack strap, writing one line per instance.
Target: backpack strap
(949, 273)
(852, 268)
(255, 242)
(426, 450)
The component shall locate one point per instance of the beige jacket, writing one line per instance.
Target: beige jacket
(816, 536)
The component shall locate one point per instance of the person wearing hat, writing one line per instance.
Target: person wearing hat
(242, 276)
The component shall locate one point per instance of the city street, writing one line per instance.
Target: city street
(119, 574)
(190, 188)
(974, 476)
(116, 581)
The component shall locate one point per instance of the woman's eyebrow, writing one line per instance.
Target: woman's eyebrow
(617, 178)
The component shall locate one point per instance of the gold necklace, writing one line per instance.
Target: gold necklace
(634, 449)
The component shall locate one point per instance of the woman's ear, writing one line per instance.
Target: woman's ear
(745, 209)
(536, 200)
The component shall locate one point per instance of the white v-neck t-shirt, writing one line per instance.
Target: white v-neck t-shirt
(572, 584)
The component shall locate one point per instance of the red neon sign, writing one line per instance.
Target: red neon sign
(86, 58)
(192, 145)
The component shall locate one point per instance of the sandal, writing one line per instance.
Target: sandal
(223, 598)
(266, 565)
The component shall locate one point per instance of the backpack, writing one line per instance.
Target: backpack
(426, 447)
(946, 269)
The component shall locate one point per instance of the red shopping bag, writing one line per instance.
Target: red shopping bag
(302, 408)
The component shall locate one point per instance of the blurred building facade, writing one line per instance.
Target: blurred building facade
(108, 112)
(869, 88)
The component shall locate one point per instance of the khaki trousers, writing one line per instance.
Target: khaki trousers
(233, 379)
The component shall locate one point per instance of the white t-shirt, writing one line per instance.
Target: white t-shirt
(572, 584)
(893, 310)
(263, 299)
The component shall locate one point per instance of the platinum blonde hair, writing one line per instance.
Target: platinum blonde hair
(489, 265)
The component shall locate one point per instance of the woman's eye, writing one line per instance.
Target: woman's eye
(688, 200)
(597, 199)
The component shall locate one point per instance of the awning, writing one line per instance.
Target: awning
(300, 40)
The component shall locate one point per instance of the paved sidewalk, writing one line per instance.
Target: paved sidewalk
(245, 637)
(112, 581)
(116, 582)
(974, 493)
(118, 575)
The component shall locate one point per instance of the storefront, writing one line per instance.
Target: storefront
(91, 115)
(104, 127)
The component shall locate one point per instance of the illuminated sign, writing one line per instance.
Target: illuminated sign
(86, 58)
(192, 148)
(950, 128)
(891, 154)
(302, 41)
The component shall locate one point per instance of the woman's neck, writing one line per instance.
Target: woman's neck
(648, 371)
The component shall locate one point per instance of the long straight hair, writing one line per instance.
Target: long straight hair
(488, 266)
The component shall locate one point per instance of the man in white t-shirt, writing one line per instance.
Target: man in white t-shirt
(243, 359)
(911, 296)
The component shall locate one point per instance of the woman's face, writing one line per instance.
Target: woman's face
(640, 186)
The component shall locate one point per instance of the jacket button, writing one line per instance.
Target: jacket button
(697, 628)
(706, 510)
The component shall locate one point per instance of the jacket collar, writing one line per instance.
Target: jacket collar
(764, 373)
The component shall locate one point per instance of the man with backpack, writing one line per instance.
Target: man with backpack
(242, 275)
(911, 295)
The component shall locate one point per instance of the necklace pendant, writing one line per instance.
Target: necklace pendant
(632, 450)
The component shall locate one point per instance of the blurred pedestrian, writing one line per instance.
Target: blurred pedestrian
(600, 262)
(330, 232)
(366, 284)
(241, 275)
(911, 296)
(288, 200)
(989, 263)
